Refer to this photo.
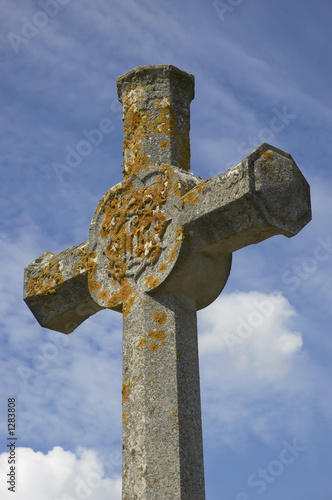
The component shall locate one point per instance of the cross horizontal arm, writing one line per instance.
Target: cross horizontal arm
(264, 195)
(56, 288)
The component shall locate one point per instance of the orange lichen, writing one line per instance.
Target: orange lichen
(124, 417)
(157, 335)
(267, 154)
(48, 281)
(86, 263)
(134, 225)
(172, 254)
(103, 294)
(135, 129)
(119, 297)
(163, 267)
(159, 317)
(128, 305)
(175, 415)
(156, 480)
(142, 342)
(89, 265)
(154, 347)
(93, 285)
(181, 236)
(193, 196)
(139, 123)
(126, 388)
(180, 187)
(151, 281)
(151, 379)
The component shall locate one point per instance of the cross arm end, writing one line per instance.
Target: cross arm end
(264, 195)
(56, 289)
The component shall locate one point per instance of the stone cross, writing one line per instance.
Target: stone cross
(159, 249)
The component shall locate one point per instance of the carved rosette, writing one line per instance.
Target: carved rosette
(134, 241)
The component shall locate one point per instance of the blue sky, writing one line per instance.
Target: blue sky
(262, 73)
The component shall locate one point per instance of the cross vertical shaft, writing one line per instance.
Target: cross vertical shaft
(162, 434)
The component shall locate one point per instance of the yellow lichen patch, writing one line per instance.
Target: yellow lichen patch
(134, 225)
(154, 347)
(103, 294)
(156, 480)
(172, 254)
(142, 342)
(151, 379)
(119, 297)
(126, 388)
(151, 281)
(139, 123)
(163, 343)
(124, 417)
(163, 267)
(135, 125)
(48, 281)
(159, 317)
(165, 123)
(128, 304)
(267, 155)
(181, 236)
(86, 263)
(157, 334)
(180, 187)
(93, 285)
(175, 415)
(193, 196)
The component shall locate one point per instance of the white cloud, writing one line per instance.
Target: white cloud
(251, 330)
(256, 377)
(59, 475)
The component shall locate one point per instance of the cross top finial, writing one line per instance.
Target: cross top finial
(156, 116)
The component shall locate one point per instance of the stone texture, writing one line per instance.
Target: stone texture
(56, 289)
(162, 437)
(160, 248)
